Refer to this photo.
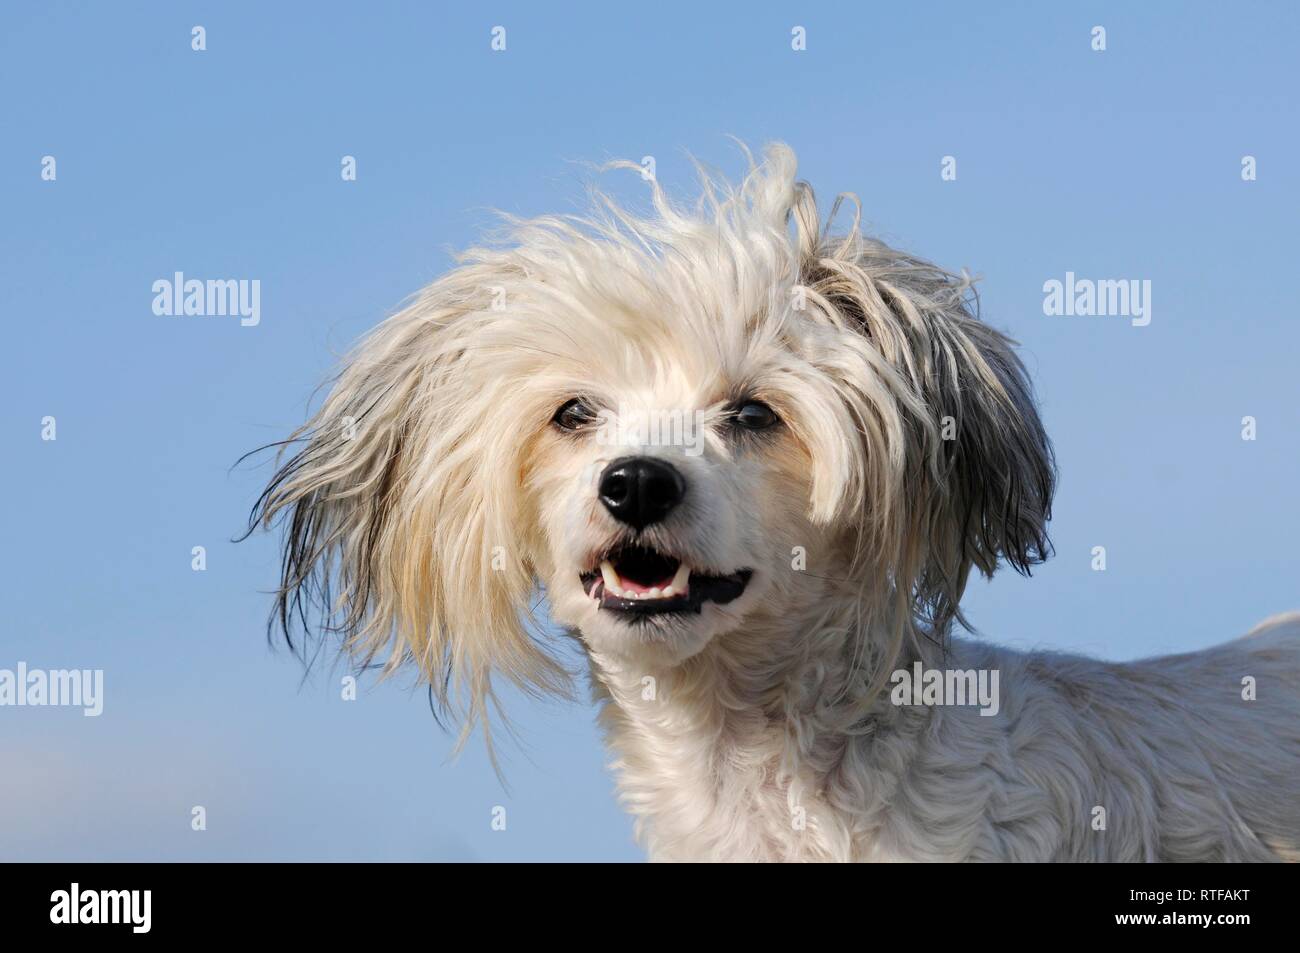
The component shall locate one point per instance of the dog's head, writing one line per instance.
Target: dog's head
(677, 429)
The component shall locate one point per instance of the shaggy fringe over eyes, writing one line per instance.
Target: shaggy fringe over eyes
(404, 521)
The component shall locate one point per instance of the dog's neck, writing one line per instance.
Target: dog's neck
(731, 754)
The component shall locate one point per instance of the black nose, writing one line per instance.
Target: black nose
(640, 491)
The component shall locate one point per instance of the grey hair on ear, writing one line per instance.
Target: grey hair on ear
(977, 463)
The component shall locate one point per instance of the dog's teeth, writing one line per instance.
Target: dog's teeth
(614, 584)
(612, 581)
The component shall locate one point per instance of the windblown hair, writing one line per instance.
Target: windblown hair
(917, 420)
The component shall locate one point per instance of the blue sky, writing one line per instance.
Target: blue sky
(226, 163)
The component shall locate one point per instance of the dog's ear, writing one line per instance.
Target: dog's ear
(976, 472)
(401, 510)
(997, 474)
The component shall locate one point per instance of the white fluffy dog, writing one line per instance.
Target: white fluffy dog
(751, 465)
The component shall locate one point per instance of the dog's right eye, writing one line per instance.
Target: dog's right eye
(573, 414)
(755, 415)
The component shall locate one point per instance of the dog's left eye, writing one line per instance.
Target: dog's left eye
(754, 415)
(573, 414)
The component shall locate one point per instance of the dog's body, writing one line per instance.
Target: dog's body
(718, 767)
(751, 467)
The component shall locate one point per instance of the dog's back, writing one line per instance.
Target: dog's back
(1247, 695)
(1192, 757)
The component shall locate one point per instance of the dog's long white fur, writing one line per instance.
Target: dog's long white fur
(432, 500)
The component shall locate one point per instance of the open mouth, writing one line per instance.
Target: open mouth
(640, 581)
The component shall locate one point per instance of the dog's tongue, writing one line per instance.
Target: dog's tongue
(641, 570)
(632, 585)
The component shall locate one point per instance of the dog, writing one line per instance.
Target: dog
(750, 463)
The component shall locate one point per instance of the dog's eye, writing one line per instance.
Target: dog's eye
(755, 415)
(573, 414)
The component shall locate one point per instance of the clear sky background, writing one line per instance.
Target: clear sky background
(226, 164)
